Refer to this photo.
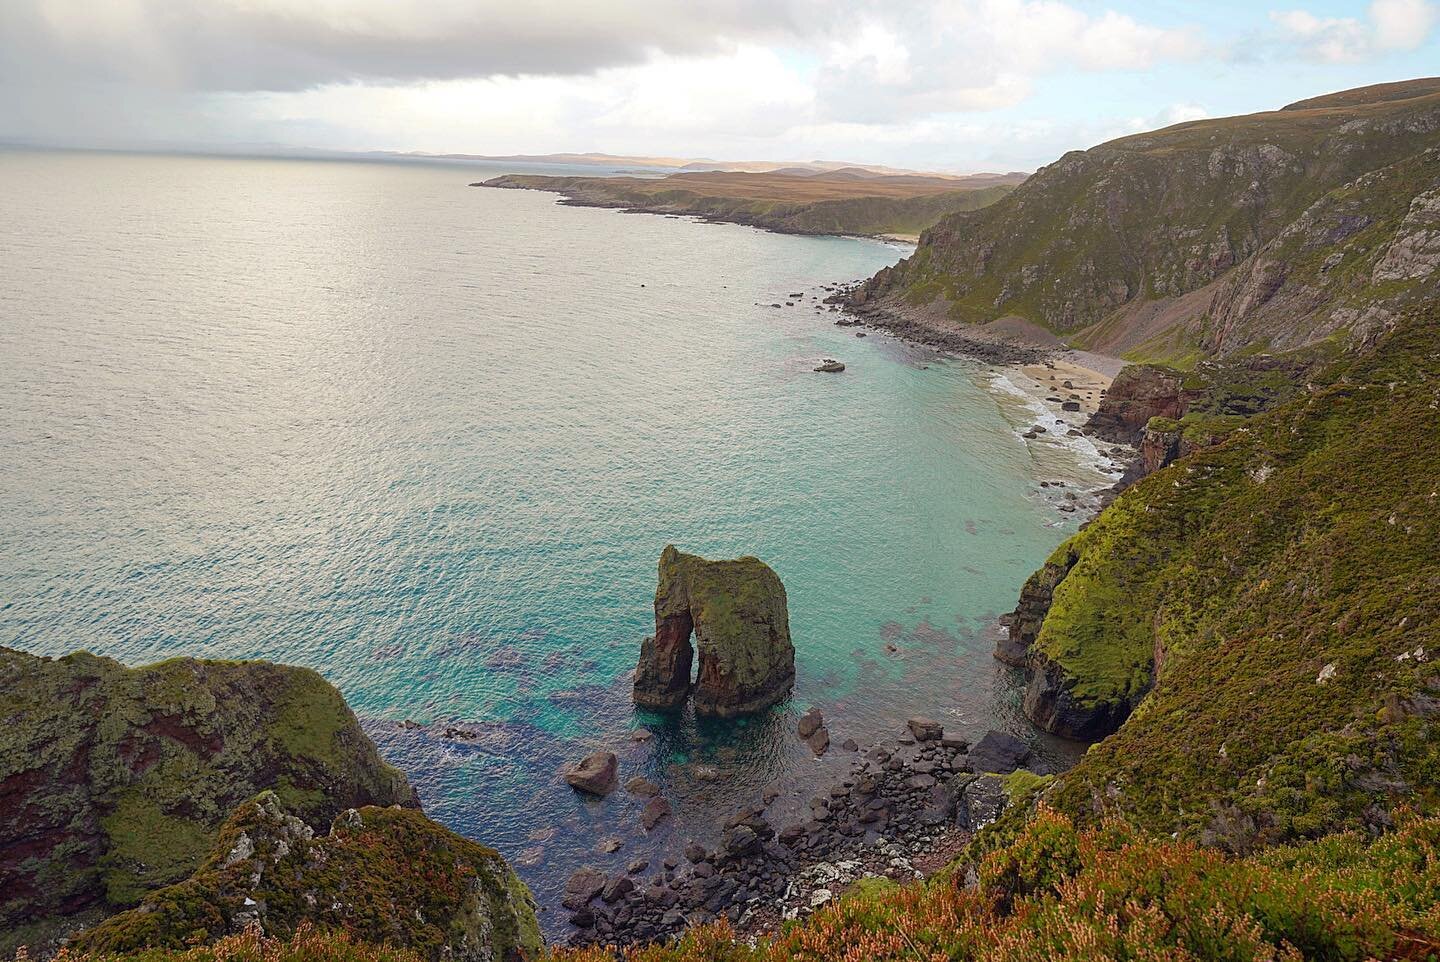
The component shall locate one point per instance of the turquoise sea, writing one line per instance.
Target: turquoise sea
(430, 441)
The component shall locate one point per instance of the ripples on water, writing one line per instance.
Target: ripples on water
(430, 440)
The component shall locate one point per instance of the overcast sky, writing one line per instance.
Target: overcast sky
(959, 85)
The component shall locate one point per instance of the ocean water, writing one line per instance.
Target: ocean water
(430, 440)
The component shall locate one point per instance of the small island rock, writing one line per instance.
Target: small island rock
(595, 774)
(737, 613)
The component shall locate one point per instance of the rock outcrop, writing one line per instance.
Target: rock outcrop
(383, 875)
(595, 774)
(114, 781)
(1140, 392)
(736, 611)
(1273, 231)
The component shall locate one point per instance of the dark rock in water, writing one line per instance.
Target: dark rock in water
(810, 722)
(695, 852)
(980, 802)
(1070, 406)
(654, 811)
(830, 366)
(609, 845)
(925, 729)
(819, 741)
(595, 774)
(998, 752)
(859, 333)
(791, 834)
(738, 614)
(637, 866)
(642, 787)
(740, 840)
(850, 745)
(616, 889)
(940, 804)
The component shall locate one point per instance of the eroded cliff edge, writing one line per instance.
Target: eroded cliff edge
(1283, 576)
(116, 782)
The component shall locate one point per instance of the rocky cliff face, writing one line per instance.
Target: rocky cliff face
(1140, 392)
(1274, 230)
(382, 875)
(1259, 615)
(114, 781)
(736, 611)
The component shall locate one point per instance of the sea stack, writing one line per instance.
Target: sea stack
(737, 612)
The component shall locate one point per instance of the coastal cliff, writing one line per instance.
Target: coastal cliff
(117, 782)
(838, 204)
(1272, 231)
(1251, 625)
(1254, 612)
(381, 875)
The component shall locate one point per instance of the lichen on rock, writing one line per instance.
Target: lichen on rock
(114, 781)
(382, 875)
(736, 610)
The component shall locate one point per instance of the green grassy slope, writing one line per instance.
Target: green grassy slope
(861, 214)
(1280, 590)
(381, 875)
(1247, 215)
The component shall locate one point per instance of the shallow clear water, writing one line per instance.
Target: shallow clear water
(430, 440)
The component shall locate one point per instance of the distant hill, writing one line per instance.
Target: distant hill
(705, 165)
(1270, 231)
(789, 200)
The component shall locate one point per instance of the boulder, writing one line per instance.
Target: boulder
(980, 802)
(999, 753)
(830, 366)
(925, 729)
(737, 613)
(740, 841)
(595, 774)
(582, 886)
(810, 722)
(654, 811)
(642, 787)
(819, 740)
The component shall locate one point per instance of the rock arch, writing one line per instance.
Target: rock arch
(737, 614)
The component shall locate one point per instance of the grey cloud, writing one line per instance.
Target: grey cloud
(247, 45)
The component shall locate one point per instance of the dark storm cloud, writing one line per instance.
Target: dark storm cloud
(247, 45)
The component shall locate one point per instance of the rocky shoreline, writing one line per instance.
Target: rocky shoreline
(918, 329)
(905, 807)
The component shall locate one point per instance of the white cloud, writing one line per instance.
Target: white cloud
(1403, 24)
(1389, 25)
(981, 54)
(668, 104)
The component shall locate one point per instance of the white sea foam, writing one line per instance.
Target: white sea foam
(1072, 457)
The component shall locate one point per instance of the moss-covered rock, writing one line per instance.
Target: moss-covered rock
(1265, 613)
(114, 781)
(382, 876)
(737, 612)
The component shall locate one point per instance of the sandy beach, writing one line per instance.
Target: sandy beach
(1077, 376)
